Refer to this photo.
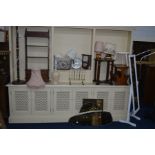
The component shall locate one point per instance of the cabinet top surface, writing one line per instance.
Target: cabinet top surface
(119, 28)
(66, 85)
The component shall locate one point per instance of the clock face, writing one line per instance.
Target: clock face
(85, 58)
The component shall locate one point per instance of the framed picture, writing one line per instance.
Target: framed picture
(62, 63)
(92, 105)
(86, 61)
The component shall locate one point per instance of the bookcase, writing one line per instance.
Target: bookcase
(58, 102)
(36, 53)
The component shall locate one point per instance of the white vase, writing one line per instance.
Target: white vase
(55, 77)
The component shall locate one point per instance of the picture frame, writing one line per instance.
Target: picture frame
(62, 63)
(86, 61)
(92, 105)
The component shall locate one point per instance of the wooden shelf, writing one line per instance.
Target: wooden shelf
(35, 57)
(37, 46)
(37, 34)
(105, 59)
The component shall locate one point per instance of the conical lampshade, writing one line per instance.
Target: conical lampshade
(99, 46)
(36, 80)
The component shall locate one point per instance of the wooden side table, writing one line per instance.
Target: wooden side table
(109, 72)
(120, 75)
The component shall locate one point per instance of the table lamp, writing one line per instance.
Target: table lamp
(99, 48)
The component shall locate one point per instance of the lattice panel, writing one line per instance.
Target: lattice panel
(21, 100)
(104, 96)
(79, 99)
(41, 101)
(62, 101)
(119, 101)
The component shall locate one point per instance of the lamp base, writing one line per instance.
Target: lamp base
(19, 82)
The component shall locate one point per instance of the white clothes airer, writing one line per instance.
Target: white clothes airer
(147, 55)
(133, 107)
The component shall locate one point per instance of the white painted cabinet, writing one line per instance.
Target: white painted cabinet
(62, 99)
(20, 100)
(26, 103)
(115, 100)
(41, 101)
(103, 93)
(80, 93)
(119, 105)
(57, 103)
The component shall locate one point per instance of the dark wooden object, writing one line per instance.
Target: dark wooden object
(86, 61)
(92, 118)
(120, 75)
(37, 34)
(2, 122)
(149, 87)
(4, 103)
(4, 79)
(109, 72)
(44, 74)
(144, 72)
(18, 81)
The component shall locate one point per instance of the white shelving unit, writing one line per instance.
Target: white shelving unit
(57, 103)
(82, 39)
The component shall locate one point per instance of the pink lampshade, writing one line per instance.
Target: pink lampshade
(36, 80)
(99, 46)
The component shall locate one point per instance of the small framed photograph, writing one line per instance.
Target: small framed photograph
(86, 61)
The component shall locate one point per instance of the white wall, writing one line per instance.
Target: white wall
(144, 33)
